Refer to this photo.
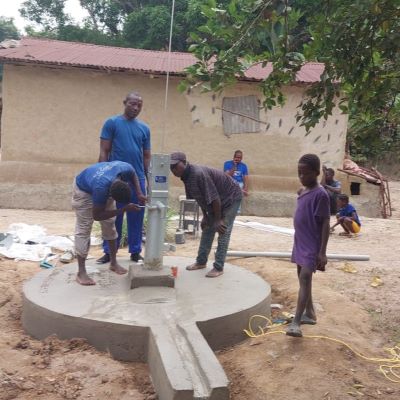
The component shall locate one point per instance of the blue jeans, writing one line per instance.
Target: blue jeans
(208, 234)
(241, 184)
(134, 224)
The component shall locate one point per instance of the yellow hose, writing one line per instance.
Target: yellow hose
(388, 366)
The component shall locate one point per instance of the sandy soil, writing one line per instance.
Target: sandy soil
(272, 367)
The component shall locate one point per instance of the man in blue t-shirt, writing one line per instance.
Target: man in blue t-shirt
(347, 217)
(95, 191)
(126, 138)
(238, 171)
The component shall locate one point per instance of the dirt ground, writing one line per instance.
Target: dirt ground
(273, 367)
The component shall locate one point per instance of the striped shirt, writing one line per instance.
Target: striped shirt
(205, 185)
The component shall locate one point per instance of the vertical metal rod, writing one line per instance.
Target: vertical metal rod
(164, 130)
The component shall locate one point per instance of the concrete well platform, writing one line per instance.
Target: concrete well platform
(174, 330)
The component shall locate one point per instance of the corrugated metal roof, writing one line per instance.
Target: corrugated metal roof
(56, 52)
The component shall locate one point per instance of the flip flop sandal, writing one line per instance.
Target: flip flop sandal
(46, 264)
(195, 266)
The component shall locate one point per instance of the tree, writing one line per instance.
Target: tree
(47, 13)
(7, 29)
(101, 27)
(133, 23)
(141, 24)
(104, 15)
(358, 41)
(148, 26)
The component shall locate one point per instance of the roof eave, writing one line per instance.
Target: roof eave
(11, 60)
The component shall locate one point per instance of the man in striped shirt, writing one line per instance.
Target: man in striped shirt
(219, 198)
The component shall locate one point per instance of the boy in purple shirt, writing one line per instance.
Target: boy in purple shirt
(311, 224)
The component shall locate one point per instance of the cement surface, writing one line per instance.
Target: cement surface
(173, 329)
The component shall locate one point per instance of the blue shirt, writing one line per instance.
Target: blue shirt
(97, 179)
(129, 138)
(334, 184)
(348, 212)
(240, 173)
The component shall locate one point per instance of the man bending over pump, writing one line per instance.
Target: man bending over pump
(95, 191)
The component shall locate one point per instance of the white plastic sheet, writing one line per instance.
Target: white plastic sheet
(32, 252)
(41, 244)
(23, 233)
(267, 228)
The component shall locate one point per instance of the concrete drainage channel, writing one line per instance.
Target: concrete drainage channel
(174, 329)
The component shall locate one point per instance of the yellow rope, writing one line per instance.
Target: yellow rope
(387, 368)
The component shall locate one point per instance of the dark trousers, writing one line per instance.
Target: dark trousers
(208, 234)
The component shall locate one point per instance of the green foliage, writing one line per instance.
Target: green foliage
(105, 15)
(242, 34)
(75, 33)
(124, 235)
(372, 136)
(358, 41)
(101, 27)
(129, 23)
(8, 30)
(148, 28)
(49, 14)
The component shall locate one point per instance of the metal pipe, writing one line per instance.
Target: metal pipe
(287, 254)
(153, 256)
(156, 211)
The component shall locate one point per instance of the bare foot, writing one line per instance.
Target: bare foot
(307, 320)
(294, 330)
(118, 269)
(84, 280)
(310, 313)
(346, 234)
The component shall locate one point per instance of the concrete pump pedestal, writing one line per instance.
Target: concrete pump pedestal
(140, 276)
(174, 330)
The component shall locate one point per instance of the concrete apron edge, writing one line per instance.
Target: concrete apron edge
(179, 351)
